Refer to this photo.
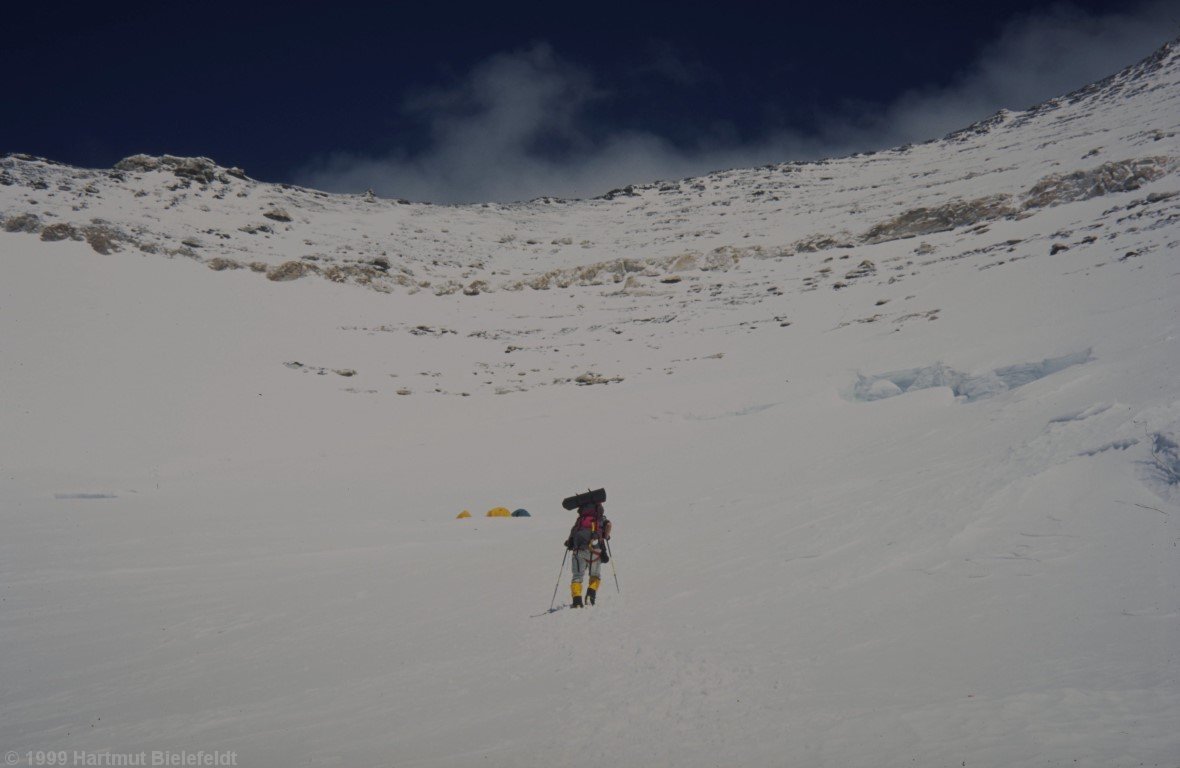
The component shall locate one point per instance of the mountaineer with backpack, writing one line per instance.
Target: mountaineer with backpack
(587, 542)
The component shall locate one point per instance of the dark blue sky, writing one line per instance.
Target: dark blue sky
(505, 100)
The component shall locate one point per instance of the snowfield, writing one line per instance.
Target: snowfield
(889, 443)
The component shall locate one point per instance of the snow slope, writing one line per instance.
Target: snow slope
(885, 440)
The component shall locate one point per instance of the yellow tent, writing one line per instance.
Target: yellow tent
(499, 512)
(463, 514)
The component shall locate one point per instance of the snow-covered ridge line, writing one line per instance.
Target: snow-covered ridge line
(1111, 137)
(106, 237)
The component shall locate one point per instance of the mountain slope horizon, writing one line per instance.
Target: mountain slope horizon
(787, 207)
(1133, 71)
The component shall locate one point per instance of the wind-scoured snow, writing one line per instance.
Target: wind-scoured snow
(239, 420)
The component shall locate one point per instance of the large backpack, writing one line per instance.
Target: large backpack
(587, 527)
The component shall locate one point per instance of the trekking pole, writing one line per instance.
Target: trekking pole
(558, 584)
(606, 542)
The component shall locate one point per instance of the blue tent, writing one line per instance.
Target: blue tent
(521, 513)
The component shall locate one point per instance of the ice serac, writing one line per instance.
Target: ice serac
(968, 386)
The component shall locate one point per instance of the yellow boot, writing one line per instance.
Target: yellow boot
(576, 593)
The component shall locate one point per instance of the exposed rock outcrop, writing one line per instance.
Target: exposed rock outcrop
(926, 221)
(199, 169)
(1106, 179)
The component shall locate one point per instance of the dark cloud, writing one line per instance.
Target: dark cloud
(520, 125)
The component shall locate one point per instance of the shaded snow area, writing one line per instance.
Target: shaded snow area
(239, 421)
